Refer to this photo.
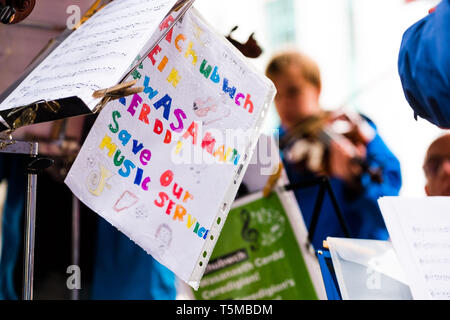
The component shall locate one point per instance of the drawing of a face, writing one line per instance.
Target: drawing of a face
(90, 161)
(164, 235)
(197, 172)
(141, 212)
(164, 238)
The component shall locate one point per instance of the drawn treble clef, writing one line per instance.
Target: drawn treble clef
(249, 234)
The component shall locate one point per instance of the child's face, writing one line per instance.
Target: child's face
(296, 98)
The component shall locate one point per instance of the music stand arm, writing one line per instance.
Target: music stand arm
(324, 185)
(30, 228)
(10, 146)
(36, 165)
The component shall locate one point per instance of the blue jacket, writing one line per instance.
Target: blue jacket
(361, 214)
(125, 271)
(12, 168)
(424, 66)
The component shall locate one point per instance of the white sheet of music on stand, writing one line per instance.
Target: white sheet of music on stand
(420, 232)
(95, 56)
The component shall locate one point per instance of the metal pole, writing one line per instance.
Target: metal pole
(75, 294)
(10, 146)
(316, 211)
(30, 225)
(337, 209)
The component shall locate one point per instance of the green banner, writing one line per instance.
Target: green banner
(257, 257)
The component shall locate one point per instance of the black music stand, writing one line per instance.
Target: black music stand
(324, 186)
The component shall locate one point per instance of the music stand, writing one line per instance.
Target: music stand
(35, 166)
(324, 186)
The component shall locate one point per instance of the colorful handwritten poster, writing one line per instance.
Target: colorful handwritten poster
(257, 256)
(163, 166)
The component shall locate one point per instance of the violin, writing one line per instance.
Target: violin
(250, 48)
(307, 145)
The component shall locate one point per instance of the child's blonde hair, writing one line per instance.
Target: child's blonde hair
(281, 61)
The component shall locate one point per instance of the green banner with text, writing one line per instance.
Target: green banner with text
(257, 257)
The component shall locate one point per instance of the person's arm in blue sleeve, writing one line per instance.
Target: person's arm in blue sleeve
(365, 208)
(424, 66)
(379, 156)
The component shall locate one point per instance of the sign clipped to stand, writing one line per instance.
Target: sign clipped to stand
(263, 251)
(258, 256)
(164, 165)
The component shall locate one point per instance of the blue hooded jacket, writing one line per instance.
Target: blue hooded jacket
(424, 66)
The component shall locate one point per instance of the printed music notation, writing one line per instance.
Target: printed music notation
(420, 232)
(440, 294)
(87, 59)
(427, 245)
(432, 254)
(95, 56)
(433, 229)
(434, 260)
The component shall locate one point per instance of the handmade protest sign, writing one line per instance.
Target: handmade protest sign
(164, 165)
(258, 255)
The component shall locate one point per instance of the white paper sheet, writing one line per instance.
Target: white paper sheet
(195, 78)
(368, 270)
(95, 56)
(420, 232)
(263, 164)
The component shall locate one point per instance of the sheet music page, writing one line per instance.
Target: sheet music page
(95, 56)
(420, 232)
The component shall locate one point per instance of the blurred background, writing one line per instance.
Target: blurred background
(355, 43)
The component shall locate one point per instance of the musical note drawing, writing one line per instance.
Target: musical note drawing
(249, 234)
